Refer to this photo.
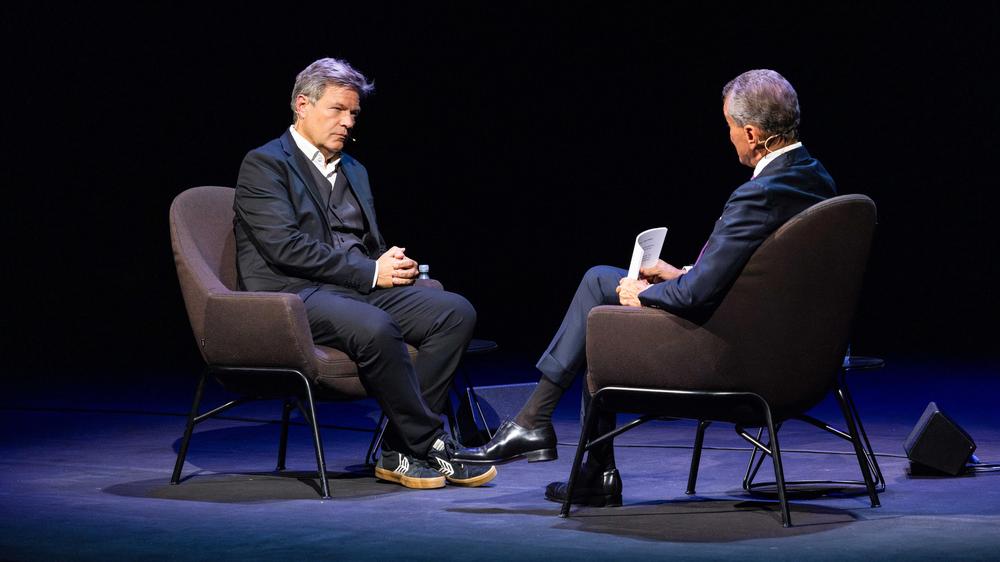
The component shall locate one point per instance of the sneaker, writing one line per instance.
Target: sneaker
(441, 455)
(408, 471)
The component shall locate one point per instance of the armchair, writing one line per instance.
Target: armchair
(770, 351)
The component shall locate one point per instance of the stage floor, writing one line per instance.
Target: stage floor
(84, 465)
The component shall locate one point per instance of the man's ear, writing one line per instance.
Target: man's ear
(301, 105)
(752, 135)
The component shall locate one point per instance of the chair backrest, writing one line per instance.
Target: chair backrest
(787, 318)
(201, 235)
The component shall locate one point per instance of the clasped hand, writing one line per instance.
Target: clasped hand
(659, 272)
(628, 289)
(395, 269)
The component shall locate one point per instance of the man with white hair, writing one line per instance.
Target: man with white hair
(762, 113)
(305, 224)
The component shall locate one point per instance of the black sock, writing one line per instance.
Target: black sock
(537, 411)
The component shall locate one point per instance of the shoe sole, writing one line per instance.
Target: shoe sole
(409, 481)
(540, 455)
(477, 481)
(591, 501)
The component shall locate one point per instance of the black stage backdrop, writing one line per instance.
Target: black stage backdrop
(511, 147)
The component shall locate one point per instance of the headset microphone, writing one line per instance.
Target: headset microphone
(768, 141)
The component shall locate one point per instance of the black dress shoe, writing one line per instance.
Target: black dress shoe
(596, 489)
(513, 442)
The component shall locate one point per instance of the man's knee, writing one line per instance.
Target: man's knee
(375, 327)
(457, 309)
(598, 285)
(602, 275)
(464, 309)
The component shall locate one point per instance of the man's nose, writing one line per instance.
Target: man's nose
(348, 121)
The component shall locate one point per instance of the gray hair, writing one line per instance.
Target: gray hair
(313, 81)
(765, 99)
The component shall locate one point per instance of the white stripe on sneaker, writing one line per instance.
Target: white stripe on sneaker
(445, 467)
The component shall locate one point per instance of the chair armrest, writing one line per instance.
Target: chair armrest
(650, 348)
(258, 329)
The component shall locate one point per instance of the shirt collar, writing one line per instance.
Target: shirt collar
(312, 153)
(771, 156)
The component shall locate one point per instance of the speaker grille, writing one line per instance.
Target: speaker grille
(939, 443)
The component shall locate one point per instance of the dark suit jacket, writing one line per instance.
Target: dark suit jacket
(283, 233)
(791, 183)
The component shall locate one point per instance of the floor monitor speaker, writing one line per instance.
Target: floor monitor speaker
(484, 408)
(938, 442)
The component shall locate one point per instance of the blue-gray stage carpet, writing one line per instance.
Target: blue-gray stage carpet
(84, 471)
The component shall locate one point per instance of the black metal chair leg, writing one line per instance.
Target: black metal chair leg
(751, 472)
(699, 440)
(590, 421)
(869, 451)
(286, 411)
(863, 461)
(376, 441)
(779, 473)
(309, 413)
(188, 430)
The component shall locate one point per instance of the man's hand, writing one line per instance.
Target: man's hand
(660, 272)
(628, 291)
(395, 269)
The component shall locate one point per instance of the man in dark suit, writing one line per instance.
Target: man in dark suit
(762, 111)
(305, 223)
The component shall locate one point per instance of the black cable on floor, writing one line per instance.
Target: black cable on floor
(743, 449)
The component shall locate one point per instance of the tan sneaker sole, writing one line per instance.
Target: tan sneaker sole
(477, 481)
(416, 483)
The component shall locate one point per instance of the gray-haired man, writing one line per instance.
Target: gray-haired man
(761, 110)
(305, 223)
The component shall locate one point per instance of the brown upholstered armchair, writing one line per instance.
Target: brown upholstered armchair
(772, 349)
(257, 344)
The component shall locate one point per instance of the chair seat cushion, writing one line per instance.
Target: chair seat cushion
(337, 375)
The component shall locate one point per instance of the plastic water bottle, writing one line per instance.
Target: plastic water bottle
(424, 271)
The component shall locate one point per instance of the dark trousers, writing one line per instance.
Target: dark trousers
(373, 331)
(566, 356)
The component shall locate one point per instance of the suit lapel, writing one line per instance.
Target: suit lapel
(356, 180)
(299, 165)
(362, 192)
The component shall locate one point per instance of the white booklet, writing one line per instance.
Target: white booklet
(647, 250)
